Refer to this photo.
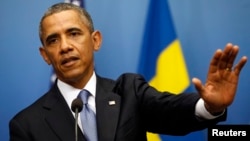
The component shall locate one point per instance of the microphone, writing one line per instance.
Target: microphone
(76, 107)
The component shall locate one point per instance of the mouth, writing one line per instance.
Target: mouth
(69, 61)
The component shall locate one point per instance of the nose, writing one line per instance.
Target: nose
(66, 46)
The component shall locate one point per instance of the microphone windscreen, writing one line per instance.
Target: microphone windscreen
(77, 103)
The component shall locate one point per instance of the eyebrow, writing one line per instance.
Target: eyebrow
(54, 35)
(73, 29)
(50, 37)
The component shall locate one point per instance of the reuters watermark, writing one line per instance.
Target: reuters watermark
(239, 132)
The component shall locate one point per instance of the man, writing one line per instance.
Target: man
(125, 108)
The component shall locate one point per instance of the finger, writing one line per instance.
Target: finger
(215, 61)
(198, 85)
(240, 65)
(232, 57)
(228, 55)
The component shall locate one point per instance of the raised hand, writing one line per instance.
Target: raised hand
(222, 79)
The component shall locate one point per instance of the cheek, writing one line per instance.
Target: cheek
(86, 56)
(85, 48)
(53, 58)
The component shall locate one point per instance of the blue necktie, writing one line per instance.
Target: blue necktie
(88, 118)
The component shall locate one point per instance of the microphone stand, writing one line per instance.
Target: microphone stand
(76, 127)
(76, 107)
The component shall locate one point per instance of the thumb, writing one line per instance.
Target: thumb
(198, 85)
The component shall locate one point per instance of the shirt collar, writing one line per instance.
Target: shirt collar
(70, 93)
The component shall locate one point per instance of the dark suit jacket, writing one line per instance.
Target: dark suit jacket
(138, 108)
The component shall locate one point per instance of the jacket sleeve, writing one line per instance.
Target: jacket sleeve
(164, 112)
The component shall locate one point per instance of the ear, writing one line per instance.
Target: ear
(97, 39)
(43, 53)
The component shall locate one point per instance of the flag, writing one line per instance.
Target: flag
(161, 61)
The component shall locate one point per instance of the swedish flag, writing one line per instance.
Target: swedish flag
(162, 62)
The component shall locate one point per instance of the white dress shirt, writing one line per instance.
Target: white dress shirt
(70, 93)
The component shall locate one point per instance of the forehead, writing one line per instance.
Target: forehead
(61, 21)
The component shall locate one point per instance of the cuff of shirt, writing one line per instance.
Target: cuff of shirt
(201, 111)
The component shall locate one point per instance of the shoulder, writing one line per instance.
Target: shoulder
(123, 79)
(130, 75)
(35, 108)
(131, 79)
(29, 110)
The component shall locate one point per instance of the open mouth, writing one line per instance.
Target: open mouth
(69, 61)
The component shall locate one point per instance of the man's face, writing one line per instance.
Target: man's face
(69, 46)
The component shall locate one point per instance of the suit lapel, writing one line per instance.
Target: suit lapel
(107, 110)
(59, 117)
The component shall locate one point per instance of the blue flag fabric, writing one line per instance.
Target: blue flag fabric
(159, 32)
(161, 60)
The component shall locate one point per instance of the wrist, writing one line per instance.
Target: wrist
(214, 111)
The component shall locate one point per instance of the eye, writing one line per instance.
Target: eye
(74, 33)
(51, 41)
